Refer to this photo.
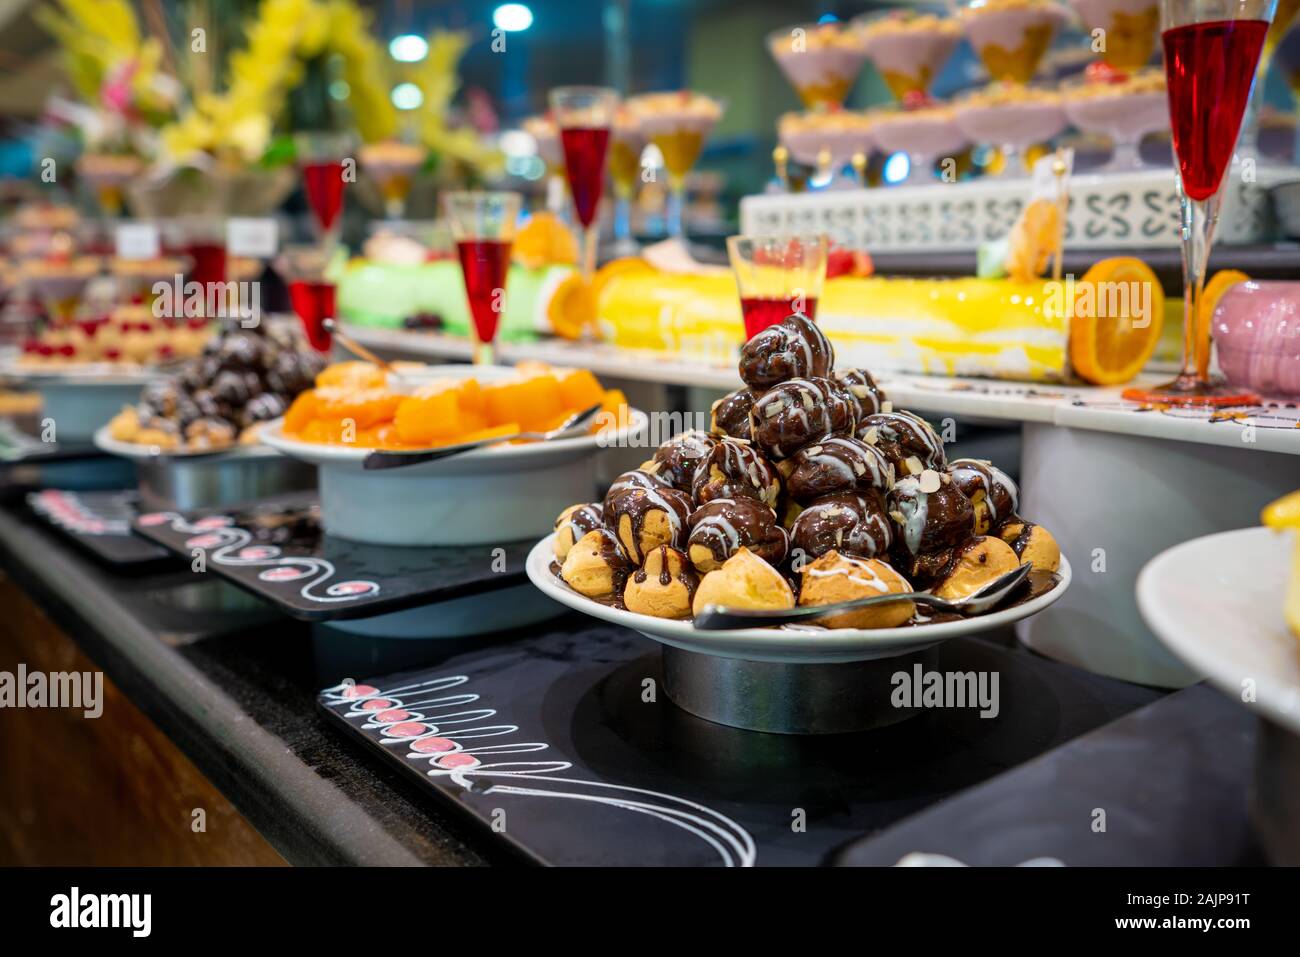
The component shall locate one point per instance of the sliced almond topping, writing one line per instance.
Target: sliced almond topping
(886, 406)
(930, 481)
(872, 436)
(914, 465)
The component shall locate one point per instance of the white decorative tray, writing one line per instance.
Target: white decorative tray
(1120, 211)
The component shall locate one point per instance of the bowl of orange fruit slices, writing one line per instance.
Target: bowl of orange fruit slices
(501, 492)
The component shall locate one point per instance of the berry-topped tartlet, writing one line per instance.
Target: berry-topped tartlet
(811, 490)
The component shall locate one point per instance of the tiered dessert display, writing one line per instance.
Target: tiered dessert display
(828, 140)
(677, 123)
(810, 489)
(1011, 37)
(822, 61)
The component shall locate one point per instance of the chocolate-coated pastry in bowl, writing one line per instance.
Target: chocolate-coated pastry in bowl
(852, 523)
(931, 516)
(677, 459)
(907, 440)
(574, 522)
(837, 464)
(975, 563)
(990, 490)
(637, 478)
(1031, 543)
(834, 578)
(862, 387)
(744, 581)
(790, 415)
(735, 469)
(663, 587)
(645, 518)
(793, 348)
(596, 565)
(723, 526)
(730, 414)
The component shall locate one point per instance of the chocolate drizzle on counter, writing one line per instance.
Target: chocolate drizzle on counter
(793, 413)
(837, 464)
(901, 436)
(735, 469)
(637, 505)
(679, 457)
(726, 525)
(730, 414)
(862, 387)
(793, 348)
(853, 524)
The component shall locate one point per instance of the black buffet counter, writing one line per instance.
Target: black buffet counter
(215, 746)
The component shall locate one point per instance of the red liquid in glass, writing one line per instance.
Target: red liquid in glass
(207, 263)
(314, 303)
(324, 185)
(761, 313)
(484, 263)
(1210, 67)
(584, 161)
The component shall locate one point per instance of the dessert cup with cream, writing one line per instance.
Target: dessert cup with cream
(1125, 111)
(1011, 37)
(1011, 117)
(924, 135)
(822, 61)
(908, 49)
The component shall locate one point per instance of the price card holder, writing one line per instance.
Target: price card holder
(136, 240)
(252, 238)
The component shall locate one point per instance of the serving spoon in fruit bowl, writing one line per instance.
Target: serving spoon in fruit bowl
(574, 425)
(716, 618)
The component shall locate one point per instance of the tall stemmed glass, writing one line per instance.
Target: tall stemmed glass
(1211, 49)
(585, 115)
(321, 157)
(483, 225)
(677, 123)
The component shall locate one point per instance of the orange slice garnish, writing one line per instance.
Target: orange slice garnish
(1115, 325)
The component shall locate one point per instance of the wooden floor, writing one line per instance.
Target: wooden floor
(106, 791)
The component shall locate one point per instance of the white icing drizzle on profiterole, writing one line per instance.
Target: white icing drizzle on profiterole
(799, 410)
(907, 432)
(992, 479)
(725, 525)
(852, 569)
(913, 507)
(848, 459)
(582, 520)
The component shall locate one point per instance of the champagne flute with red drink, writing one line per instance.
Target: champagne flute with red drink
(777, 276)
(1212, 49)
(585, 115)
(305, 271)
(322, 158)
(483, 225)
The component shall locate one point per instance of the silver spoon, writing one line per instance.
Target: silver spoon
(717, 618)
(396, 460)
(354, 347)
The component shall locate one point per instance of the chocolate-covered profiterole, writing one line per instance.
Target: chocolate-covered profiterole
(989, 489)
(724, 526)
(735, 469)
(596, 566)
(907, 440)
(790, 415)
(663, 587)
(574, 522)
(677, 459)
(837, 464)
(637, 478)
(855, 524)
(862, 387)
(793, 348)
(730, 414)
(645, 518)
(930, 514)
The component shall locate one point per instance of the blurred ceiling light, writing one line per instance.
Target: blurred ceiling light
(407, 96)
(828, 18)
(408, 48)
(512, 17)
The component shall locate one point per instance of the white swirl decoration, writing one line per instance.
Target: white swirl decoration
(434, 726)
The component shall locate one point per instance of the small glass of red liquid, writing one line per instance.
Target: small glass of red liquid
(585, 116)
(311, 292)
(777, 276)
(1212, 49)
(323, 158)
(483, 226)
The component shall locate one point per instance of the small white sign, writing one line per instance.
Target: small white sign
(254, 238)
(136, 241)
